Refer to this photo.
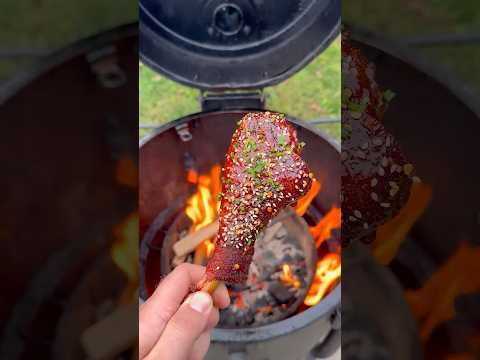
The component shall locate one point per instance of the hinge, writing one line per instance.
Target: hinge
(236, 100)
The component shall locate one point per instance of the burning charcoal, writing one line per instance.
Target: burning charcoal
(261, 302)
(267, 268)
(227, 320)
(288, 258)
(280, 292)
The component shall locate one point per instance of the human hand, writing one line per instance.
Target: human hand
(176, 329)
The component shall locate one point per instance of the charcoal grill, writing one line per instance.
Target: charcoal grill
(231, 50)
(207, 141)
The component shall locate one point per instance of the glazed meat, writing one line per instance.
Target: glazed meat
(263, 174)
(376, 176)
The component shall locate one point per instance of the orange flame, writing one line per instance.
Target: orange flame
(305, 201)
(288, 278)
(326, 276)
(124, 250)
(192, 176)
(203, 206)
(323, 230)
(391, 235)
(210, 246)
(216, 185)
(240, 301)
(329, 267)
(433, 304)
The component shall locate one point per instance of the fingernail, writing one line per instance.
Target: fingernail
(200, 302)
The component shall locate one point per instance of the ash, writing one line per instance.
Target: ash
(266, 297)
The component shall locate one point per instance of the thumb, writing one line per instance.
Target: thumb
(184, 328)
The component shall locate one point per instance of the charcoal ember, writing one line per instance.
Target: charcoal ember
(288, 258)
(281, 293)
(262, 301)
(264, 315)
(241, 319)
(253, 303)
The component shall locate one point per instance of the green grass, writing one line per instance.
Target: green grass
(312, 92)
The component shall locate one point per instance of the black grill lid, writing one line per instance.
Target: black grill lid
(237, 44)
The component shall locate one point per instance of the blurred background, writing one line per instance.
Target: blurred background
(444, 33)
(33, 29)
(428, 53)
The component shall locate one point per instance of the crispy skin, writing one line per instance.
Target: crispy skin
(263, 174)
(376, 176)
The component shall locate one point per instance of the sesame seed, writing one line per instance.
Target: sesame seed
(374, 196)
(380, 171)
(365, 225)
(385, 205)
(407, 169)
(358, 214)
(374, 182)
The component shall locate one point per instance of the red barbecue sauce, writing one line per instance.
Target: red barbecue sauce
(263, 174)
(376, 175)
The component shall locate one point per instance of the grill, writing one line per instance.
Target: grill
(230, 51)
